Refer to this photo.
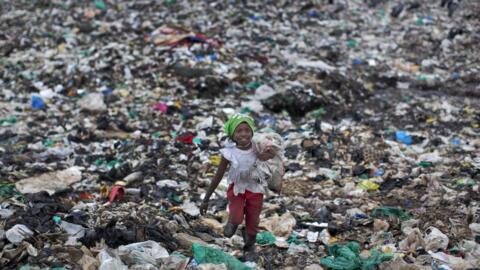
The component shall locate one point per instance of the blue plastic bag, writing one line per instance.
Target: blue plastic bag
(37, 103)
(402, 136)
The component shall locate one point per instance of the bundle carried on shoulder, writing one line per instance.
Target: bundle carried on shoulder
(272, 170)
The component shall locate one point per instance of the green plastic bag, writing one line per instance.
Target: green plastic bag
(347, 257)
(344, 257)
(293, 239)
(203, 254)
(388, 211)
(9, 190)
(266, 238)
(339, 263)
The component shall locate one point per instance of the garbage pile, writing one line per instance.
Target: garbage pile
(111, 120)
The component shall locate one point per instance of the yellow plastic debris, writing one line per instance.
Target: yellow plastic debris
(332, 240)
(215, 160)
(368, 185)
(431, 120)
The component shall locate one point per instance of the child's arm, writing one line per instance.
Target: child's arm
(213, 185)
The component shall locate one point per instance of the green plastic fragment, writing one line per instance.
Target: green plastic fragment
(57, 219)
(293, 239)
(425, 164)
(422, 77)
(48, 143)
(253, 85)
(100, 5)
(132, 114)
(319, 112)
(388, 211)
(8, 121)
(266, 238)
(84, 53)
(9, 190)
(169, 2)
(245, 110)
(307, 218)
(465, 182)
(114, 163)
(329, 146)
(99, 162)
(406, 98)
(364, 176)
(203, 254)
(176, 198)
(351, 43)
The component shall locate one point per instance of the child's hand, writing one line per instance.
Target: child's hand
(204, 207)
(267, 154)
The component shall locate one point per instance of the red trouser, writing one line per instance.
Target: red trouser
(248, 204)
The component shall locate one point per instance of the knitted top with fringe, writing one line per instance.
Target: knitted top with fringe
(241, 167)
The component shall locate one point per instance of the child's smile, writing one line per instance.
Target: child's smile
(243, 135)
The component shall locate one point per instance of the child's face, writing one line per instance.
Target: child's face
(243, 135)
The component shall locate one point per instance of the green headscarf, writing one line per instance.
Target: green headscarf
(235, 120)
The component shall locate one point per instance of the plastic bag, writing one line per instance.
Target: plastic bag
(266, 238)
(368, 185)
(144, 252)
(74, 231)
(435, 239)
(347, 257)
(455, 263)
(280, 226)
(9, 190)
(270, 171)
(203, 254)
(388, 211)
(107, 262)
(343, 257)
(17, 233)
(404, 137)
(92, 102)
(37, 102)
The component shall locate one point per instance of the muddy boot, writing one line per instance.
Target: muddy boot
(229, 230)
(249, 251)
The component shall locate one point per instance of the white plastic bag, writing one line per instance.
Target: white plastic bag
(148, 252)
(455, 263)
(17, 233)
(75, 232)
(92, 102)
(107, 262)
(435, 239)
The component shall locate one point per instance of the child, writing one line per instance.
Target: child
(244, 194)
